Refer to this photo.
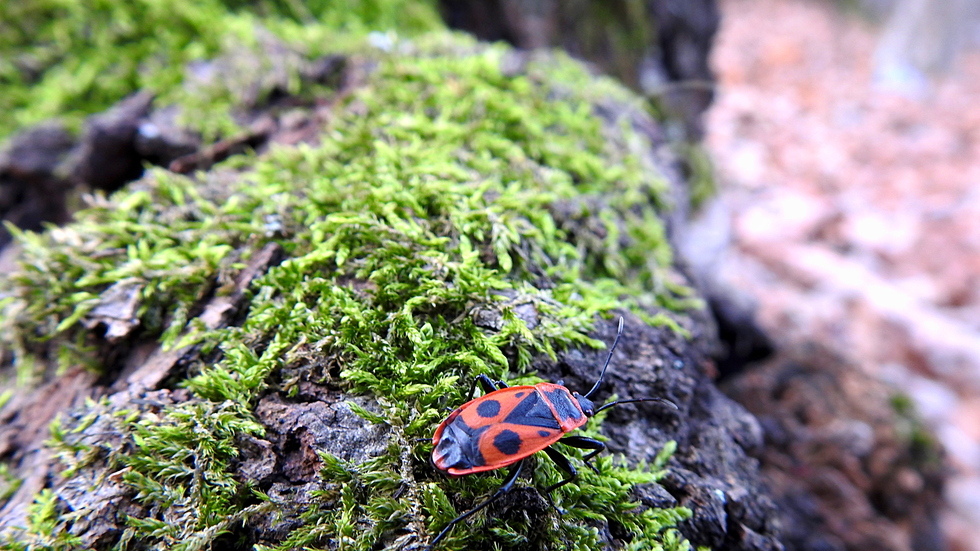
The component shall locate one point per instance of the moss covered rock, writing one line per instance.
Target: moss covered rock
(257, 354)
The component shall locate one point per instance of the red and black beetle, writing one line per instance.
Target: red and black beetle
(510, 423)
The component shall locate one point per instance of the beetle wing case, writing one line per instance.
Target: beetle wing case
(503, 427)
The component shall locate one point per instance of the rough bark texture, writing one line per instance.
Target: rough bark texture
(31, 191)
(714, 476)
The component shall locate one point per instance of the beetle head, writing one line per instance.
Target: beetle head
(588, 408)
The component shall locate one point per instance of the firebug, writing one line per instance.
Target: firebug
(510, 423)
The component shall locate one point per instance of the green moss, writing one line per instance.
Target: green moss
(923, 449)
(45, 528)
(442, 186)
(702, 173)
(72, 58)
(181, 464)
(9, 483)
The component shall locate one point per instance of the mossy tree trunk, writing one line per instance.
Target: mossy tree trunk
(256, 354)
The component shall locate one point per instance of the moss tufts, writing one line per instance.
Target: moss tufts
(444, 187)
(72, 59)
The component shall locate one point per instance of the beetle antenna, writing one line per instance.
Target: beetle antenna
(617, 402)
(598, 382)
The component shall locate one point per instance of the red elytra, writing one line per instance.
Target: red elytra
(509, 424)
(504, 426)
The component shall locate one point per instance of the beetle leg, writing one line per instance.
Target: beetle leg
(564, 465)
(489, 385)
(515, 471)
(584, 443)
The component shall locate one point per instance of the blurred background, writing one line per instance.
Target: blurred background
(846, 142)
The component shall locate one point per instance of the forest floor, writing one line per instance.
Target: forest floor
(854, 213)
